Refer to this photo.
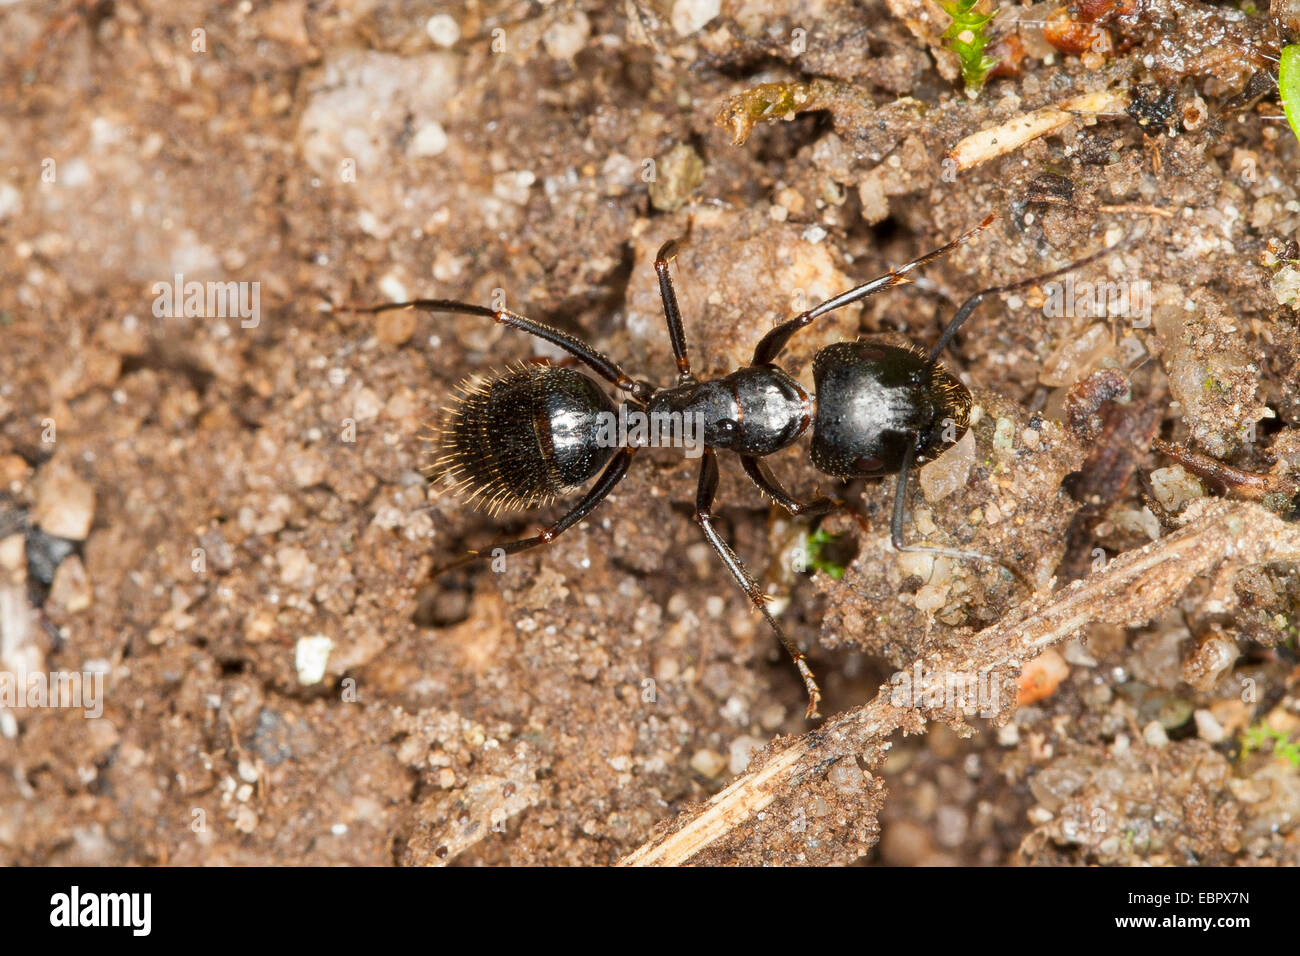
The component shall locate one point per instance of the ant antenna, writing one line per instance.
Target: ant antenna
(971, 304)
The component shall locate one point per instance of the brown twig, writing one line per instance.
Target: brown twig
(1243, 484)
(740, 824)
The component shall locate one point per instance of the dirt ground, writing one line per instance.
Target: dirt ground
(225, 515)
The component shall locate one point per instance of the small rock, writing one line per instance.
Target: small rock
(45, 552)
(950, 825)
(1207, 728)
(70, 590)
(678, 173)
(1211, 659)
(1286, 286)
(442, 29)
(875, 204)
(13, 470)
(1153, 734)
(904, 843)
(689, 16)
(246, 819)
(565, 38)
(296, 569)
(429, 140)
(708, 763)
(1174, 487)
(13, 556)
(949, 471)
(1076, 652)
(311, 657)
(308, 469)
(1004, 434)
(1232, 714)
(65, 505)
(772, 716)
(742, 749)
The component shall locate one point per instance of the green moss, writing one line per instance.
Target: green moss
(966, 37)
(818, 543)
(1282, 746)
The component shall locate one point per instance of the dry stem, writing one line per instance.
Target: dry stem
(1129, 592)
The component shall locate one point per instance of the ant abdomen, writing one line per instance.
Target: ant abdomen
(521, 438)
(874, 400)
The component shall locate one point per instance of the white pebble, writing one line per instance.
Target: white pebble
(1209, 729)
(393, 288)
(1153, 734)
(708, 763)
(310, 658)
(429, 140)
(688, 16)
(566, 38)
(11, 201)
(442, 29)
(740, 752)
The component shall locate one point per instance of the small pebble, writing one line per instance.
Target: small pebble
(1207, 728)
(442, 29)
(949, 471)
(689, 16)
(741, 751)
(429, 140)
(65, 504)
(1153, 734)
(708, 763)
(396, 327)
(70, 590)
(311, 657)
(566, 38)
(1174, 487)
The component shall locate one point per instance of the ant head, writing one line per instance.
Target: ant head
(875, 401)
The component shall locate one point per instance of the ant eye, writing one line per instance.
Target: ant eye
(727, 426)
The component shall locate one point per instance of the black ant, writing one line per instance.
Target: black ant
(521, 438)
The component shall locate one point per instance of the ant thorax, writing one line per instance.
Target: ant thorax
(754, 411)
(634, 427)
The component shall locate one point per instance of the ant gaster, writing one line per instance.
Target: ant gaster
(521, 438)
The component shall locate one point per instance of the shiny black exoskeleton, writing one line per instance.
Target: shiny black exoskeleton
(521, 438)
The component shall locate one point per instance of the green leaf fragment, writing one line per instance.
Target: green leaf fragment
(1288, 84)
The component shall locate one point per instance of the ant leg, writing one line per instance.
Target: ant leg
(610, 477)
(770, 346)
(708, 489)
(971, 304)
(896, 527)
(597, 361)
(673, 315)
(769, 485)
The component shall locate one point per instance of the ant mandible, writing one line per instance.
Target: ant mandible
(522, 438)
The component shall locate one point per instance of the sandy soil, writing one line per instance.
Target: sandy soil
(225, 516)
